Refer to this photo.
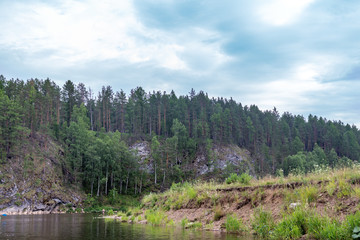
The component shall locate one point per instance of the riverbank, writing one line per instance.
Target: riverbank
(321, 205)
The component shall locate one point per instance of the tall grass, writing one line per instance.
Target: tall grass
(156, 218)
(308, 194)
(233, 224)
(262, 223)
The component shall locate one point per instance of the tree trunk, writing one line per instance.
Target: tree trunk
(127, 181)
(159, 120)
(98, 188)
(107, 179)
(155, 170)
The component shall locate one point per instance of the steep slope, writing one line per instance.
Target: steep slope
(223, 159)
(34, 180)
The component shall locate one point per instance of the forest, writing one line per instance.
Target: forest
(97, 130)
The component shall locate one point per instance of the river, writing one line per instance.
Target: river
(88, 226)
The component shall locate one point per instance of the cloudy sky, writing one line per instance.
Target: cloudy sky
(301, 56)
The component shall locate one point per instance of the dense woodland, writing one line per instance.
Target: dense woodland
(95, 131)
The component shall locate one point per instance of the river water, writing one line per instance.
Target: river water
(88, 226)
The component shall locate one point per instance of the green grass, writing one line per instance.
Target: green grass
(184, 222)
(292, 226)
(195, 225)
(325, 183)
(308, 194)
(233, 224)
(262, 223)
(156, 218)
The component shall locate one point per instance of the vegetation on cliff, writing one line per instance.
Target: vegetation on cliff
(321, 205)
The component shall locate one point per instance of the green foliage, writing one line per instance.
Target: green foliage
(292, 226)
(244, 178)
(195, 225)
(257, 196)
(94, 135)
(262, 223)
(356, 233)
(180, 195)
(331, 187)
(232, 224)
(156, 218)
(308, 194)
(184, 222)
(344, 188)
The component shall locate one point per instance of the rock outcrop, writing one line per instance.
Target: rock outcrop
(35, 180)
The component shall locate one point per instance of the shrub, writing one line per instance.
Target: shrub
(233, 178)
(244, 178)
(78, 210)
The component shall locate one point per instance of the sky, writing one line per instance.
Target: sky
(300, 56)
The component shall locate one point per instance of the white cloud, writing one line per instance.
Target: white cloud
(83, 31)
(296, 92)
(282, 12)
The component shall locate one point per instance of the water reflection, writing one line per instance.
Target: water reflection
(86, 226)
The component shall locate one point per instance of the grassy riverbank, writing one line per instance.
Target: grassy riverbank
(321, 205)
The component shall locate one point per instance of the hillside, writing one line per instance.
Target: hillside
(36, 178)
(184, 138)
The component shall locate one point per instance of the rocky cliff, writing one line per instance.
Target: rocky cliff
(223, 159)
(35, 179)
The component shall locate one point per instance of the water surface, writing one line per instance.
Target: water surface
(88, 226)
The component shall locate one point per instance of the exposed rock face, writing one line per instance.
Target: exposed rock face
(33, 182)
(223, 157)
(142, 150)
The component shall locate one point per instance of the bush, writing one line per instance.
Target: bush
(233, 178)
(244, 178)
